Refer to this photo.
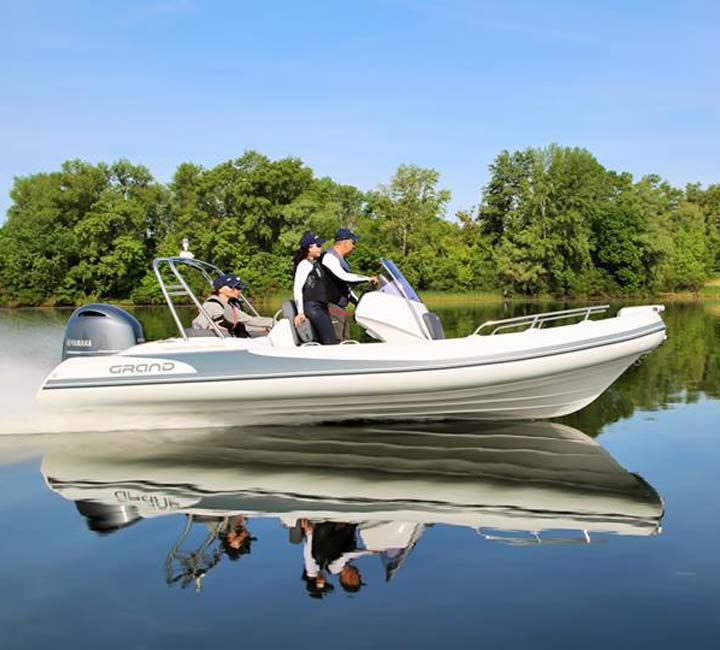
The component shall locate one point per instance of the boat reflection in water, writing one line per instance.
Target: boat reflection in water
(347, 493)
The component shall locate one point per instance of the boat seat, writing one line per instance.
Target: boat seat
(434, 325)
(194, 332)
(303, 334)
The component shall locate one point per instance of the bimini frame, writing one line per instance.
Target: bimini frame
(181, 288)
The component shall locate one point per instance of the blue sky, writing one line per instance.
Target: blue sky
(357, 88)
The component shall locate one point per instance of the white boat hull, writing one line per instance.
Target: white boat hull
(527, 375)
(509, 476)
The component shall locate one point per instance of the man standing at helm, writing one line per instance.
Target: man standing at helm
(339, 278)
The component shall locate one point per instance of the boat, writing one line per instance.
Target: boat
(514, 483)
(538, 366)
(504, 476)
(511, 482)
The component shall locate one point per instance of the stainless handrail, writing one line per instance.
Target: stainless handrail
(536, 321)
(535, 537)
(209, 272)
(182, 288)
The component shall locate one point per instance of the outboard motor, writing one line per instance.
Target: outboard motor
(103, 518)
(99, 329)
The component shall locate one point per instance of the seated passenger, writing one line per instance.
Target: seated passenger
(224, 308)
(235, 538)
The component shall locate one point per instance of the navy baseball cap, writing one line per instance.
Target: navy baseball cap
(345, 233)
(229, 280)
(310, 238)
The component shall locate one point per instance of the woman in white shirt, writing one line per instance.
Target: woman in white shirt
(309, 289)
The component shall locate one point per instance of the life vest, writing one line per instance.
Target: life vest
(336, 290)
(231, 324)
(331, 540)
(315, 287)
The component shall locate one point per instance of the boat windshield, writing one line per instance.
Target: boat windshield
(393, 282)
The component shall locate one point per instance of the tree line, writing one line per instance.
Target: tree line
(550, 220)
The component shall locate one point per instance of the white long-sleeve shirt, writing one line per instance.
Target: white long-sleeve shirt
(301, 275)
(331, 262)
(311, 566)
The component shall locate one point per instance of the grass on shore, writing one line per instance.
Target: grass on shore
(272, 302)
(431, 298)
(711, 288)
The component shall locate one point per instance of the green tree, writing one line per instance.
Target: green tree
(550, 220)
(408, 207)
(87, 230)
(538, 209)
(708, 201)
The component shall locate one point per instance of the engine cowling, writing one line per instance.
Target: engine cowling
(99, 329)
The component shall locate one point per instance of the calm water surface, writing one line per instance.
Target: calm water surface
(597, 530)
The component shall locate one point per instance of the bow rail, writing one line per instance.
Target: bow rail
(536, 321)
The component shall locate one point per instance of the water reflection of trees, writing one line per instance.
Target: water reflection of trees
(683, 369)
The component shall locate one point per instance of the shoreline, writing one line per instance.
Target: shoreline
(434, 299)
